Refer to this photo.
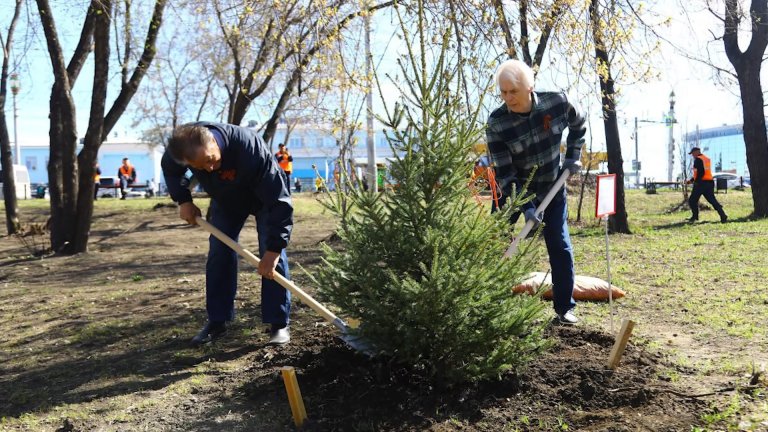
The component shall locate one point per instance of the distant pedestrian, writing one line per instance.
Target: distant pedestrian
(297, 185)
(703, 184)
(285, 160)
(126, 175)
(96, 181)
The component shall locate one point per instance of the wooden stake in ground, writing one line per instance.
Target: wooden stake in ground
(294, 395)
(621, 343)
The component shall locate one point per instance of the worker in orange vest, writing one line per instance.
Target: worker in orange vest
(703, 184)
(285, 160)
(96, 180)
(127, 175)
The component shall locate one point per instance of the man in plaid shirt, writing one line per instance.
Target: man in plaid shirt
(524, 137)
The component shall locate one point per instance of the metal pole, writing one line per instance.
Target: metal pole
(637, 160)
(373, 183)
(16, 146)
(608, 263)
(671, 120)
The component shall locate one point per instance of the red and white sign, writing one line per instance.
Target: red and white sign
(606, 195)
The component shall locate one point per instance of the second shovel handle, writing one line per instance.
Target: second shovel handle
(539, 210)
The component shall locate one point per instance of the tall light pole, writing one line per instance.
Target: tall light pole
(636, 162)
(671, 122)
(15, 87)
(372, 175)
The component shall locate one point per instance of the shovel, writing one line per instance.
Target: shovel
(354, 342)
(539, 210)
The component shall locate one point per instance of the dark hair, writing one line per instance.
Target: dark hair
(186, 140)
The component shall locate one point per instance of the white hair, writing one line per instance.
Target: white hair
(515, 71)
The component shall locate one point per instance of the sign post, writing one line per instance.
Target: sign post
(605, 206)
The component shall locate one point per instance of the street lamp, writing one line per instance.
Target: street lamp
(15, 87)
(671, 122)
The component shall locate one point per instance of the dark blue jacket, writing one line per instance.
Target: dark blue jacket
(248, 180)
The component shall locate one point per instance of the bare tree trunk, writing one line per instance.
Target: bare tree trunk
(62, 180)
(617, 222)
(93, 136)
(747, 65)
(9, 177)
(755, 139)
(6, 161)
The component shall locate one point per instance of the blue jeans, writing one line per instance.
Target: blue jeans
(558, 241)
(221, 271)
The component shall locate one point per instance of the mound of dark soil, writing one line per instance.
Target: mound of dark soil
(570, 385)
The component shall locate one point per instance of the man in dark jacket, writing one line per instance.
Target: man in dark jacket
(703, 184)
(235, 167)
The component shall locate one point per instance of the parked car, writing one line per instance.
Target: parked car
(733, 180)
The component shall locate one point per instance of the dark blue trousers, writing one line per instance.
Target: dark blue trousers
(707, 190)
(559, 249)
(221, 271)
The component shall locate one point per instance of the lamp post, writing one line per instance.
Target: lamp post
(637, 160)
(15, 87)
(671, 122)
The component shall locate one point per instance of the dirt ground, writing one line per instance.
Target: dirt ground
(99, 342)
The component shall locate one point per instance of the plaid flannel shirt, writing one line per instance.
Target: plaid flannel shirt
(518, 144)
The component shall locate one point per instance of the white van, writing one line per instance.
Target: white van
(23, 188)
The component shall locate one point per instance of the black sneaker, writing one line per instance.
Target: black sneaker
(724, 218)
(567, 318)
(692, 219)
(210, 332)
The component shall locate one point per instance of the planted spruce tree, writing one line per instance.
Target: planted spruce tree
(421, 263)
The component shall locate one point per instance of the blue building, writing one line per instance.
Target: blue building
(312, 144)
(724, 145)
(309, 145)
(145, 157)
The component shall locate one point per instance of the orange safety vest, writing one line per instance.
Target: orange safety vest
(284, 163)
(707, 169)
(126, 170)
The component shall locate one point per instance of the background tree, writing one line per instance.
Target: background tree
(600, 23)
(70, 175)
(6, 160)
(747, 65)
(421, 265)
(183, 84)
(613, 45)
(269, 41)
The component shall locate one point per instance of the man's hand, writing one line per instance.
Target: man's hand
(530, 215)
(572, 165)
(268, 264)
(189, 212)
